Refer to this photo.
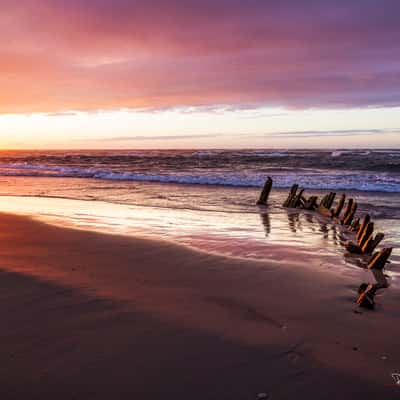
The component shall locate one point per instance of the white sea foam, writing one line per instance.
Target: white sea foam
(308, 179)
(338, 153)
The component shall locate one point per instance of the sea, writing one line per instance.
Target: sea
(206, 199)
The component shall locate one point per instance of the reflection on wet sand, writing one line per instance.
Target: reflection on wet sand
(266, 223)
(323, 227)
(257, 235)
(337, 237)
(294, 222)
(310, 220)
(304, 223)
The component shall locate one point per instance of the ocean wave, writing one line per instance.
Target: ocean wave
(308, 179)
(339, 153)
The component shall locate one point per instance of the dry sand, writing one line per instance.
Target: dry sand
(93, 316)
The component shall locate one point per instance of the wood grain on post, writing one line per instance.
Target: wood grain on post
(295, 202)
(292, 193)
(366, 297)
(372, 243)
(324, 207)
(347, 210)
(331, 200)
(351, 214)
(336, 212)
(362, 227)
(367, 233)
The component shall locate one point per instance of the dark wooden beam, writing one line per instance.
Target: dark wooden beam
(372, 243)
(362, 227)
(338, 209)
(347, 220)
(263, 199)
(366, 235)
(379, 259)
(347, 210)
(292, 193)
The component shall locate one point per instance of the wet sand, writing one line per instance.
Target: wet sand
(93, 316)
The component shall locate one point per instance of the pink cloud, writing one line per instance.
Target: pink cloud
(83, 55)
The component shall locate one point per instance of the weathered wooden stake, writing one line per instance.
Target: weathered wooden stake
(366, 295)
(324, 207)
(295, 202)
(347, 210)
(366, 235)
(336, 212)
(350, 215)
(362, 227)
(372, 243)
(379, 260)
(329, 200)
(291, 194)
(265, 192)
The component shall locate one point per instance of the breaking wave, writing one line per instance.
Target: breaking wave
(283, 177)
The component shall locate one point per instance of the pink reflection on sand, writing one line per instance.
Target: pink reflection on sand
(281, 235)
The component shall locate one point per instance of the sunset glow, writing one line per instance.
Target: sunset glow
(90, 73)
(199, 199)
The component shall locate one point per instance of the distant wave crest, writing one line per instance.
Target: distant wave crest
(309, 179)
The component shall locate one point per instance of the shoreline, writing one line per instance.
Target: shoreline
(247, 326)
(267, 233)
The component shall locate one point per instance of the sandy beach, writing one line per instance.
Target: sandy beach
(199, 200)
(89, 315)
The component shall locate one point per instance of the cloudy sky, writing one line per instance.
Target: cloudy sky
(210, 73)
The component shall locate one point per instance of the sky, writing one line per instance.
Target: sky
(199, 74)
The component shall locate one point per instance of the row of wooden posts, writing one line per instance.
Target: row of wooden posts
(344, 214)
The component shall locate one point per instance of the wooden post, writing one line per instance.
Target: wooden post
(347, 210)
(366, 295)
(291, 194)
(339, 206)
(324, 207)
(295, 201)
(372, 243)
(350, 215)
(265, 192)
(327, 201)
(362, 227)
(379, 260)
(366, 235)
(366, 246)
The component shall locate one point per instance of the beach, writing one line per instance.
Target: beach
(199, 200)
(118, 281)
(90, 315)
